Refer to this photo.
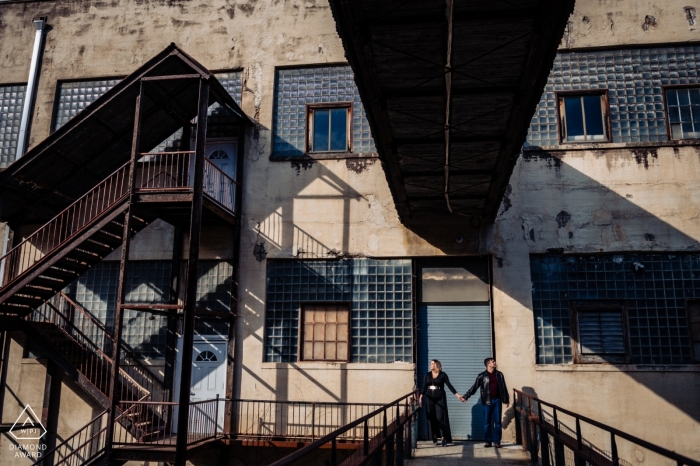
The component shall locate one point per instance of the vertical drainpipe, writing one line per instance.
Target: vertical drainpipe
(23, 139)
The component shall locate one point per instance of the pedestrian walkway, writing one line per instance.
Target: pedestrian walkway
(468, 454)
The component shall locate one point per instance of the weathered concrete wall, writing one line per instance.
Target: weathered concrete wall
(25, 385)
(603, 23)
(615, 198)
(345, 208)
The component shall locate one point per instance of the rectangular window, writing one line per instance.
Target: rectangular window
(324, 87)
(693, 307)
(329, 127)
(325, 332)
(11, 105)
(653, 289)
(600, 331)
(683, 107)
(583, 117)
(379, 293)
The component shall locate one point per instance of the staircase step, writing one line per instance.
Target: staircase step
(49, 282)
(102, 249)
(73, 265)
(31, 302)
(13, 308)
(114, 227)
(43, 292)
(108, 238)
(85, 256)
(58, 273)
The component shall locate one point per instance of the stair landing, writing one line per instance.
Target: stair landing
(468, 454)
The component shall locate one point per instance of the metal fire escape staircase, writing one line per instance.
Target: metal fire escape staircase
(182, 188)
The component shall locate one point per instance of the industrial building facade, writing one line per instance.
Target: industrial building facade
(586, 287)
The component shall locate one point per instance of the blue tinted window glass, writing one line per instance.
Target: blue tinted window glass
(683, 97)
(672, 97)
(339, 125)
(320, 143)
(594, 117)
(574, 118)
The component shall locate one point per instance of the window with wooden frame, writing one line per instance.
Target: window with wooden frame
(325, 332)
(584, 116)
(599, 331)
(329, 127)
(693, 308)
(683, 110)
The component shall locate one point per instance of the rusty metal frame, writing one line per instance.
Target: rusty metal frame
(529, 419)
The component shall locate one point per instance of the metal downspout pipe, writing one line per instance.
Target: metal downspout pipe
(23, 138)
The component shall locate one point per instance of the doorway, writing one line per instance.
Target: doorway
(455, 327)
(208, 372)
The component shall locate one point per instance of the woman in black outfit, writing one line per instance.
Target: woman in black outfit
(436, 406)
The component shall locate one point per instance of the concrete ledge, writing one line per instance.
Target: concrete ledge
(338, 366)
(615, 368)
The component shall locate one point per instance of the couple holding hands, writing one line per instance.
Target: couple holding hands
(493, 394)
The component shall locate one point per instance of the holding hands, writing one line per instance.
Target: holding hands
(460, 397)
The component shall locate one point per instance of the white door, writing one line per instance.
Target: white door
(223, 155)
(208, 373)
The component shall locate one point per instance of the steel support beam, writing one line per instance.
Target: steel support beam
(121, 287)
(191, 280)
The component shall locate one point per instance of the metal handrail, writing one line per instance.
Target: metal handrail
(679, 459)
(152, 378)
(222, 172)
(293, 457)
(64, 226)
(86, 341)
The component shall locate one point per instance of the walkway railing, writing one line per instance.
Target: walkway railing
(174, 171)
(555, 436)
(393, 441)
(156, 422)
(298, 420)
(65, 225)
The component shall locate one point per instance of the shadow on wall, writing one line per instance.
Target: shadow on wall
(558, 209)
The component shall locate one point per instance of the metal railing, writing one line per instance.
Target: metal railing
(220, 187)
(98, 333)
(64, 226)
(297, 420)
(81, 352)
(393, 441)
(80, 447)
(164, 170)
(541, 429)
(156, 422)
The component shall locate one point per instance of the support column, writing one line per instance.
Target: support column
(191, 278)
(50, 408)
(171, 339)
(121, 287)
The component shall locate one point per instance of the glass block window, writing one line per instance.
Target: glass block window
(654, 287)
(325, 331)
(73, 97)
(147, 282)
(11, 104)
(633, 77)
(684, 112)
(294, 88)
(379, 292)
(215, 292)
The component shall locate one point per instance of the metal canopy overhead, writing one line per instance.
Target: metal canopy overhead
(450, 87)
(98, 140)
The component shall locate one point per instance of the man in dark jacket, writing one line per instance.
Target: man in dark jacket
(493, 393)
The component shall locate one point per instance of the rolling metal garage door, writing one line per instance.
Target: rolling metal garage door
(459, 336)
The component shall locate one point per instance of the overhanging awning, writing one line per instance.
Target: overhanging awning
(450, 88)
(98, 140)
